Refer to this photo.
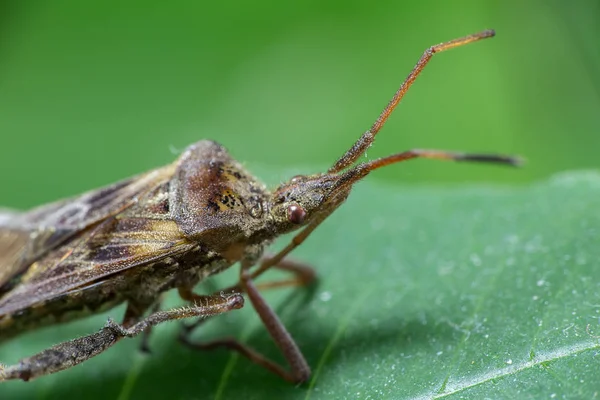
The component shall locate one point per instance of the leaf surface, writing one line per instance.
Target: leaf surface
(424, 292)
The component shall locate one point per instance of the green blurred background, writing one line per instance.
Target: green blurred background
(91, 92)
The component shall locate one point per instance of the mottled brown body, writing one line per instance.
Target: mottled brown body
(170, 229)
(78, 260)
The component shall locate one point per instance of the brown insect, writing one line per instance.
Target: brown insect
(171, 228)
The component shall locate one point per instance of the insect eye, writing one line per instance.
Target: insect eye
(295, 213)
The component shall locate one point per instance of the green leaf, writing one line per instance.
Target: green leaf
(430, 292)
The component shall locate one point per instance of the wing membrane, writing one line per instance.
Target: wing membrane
(27, 237)
(118, 243)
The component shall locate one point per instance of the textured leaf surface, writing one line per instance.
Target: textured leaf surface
(469, 292)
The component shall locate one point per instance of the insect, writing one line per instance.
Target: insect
(170, 228)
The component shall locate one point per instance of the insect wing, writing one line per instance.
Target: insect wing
(27, 236)
(67, 244)
(118, 243)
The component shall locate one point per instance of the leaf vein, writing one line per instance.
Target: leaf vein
(476, 380)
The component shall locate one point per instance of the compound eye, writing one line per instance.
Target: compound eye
(295, 213)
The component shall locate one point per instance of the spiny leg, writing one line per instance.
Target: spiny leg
(134, 313)
(303, 273)
(299, 370)
(73, 352)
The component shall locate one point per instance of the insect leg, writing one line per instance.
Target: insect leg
(246, 351)
(73, 352)
(279, 258)
(134, 313)
(299, 369)
(304, 275)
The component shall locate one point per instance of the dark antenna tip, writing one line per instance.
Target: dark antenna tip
(513, 161)
(488, 33)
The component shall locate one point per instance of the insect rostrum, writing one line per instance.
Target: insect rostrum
(169, 229)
